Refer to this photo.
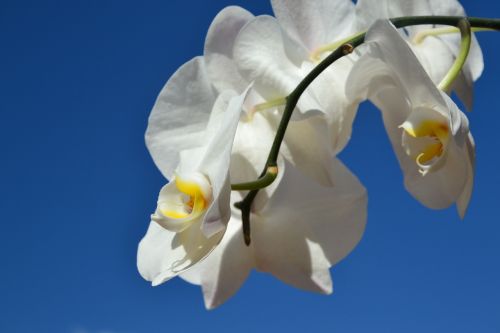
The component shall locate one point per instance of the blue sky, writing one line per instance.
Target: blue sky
(77, 82)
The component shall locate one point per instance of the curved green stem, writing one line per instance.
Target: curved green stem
(264, 181)
(422, 35)
(456, 68)
(292, 99)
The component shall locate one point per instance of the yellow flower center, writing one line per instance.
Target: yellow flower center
(436, 131)
(194, 203)
(183, 201)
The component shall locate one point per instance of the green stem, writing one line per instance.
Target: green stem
(456, 68)
(421, 35)
(292, 99)
(264, 181)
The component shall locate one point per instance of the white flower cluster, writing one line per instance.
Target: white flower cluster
(215, 120)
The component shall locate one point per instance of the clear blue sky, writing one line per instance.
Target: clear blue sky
(77, 82)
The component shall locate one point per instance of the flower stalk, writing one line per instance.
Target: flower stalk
(264, 181)
(466, 37)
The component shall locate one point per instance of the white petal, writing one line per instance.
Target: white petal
(471, 70)
(228, 268)
(251, 148)
(323, 22)
(193, 275)
(388, 46)
(368, 11)
(216, 162)
(282, 250)
(180, 115)
(334, 212)
(267, 56)
(298, 236)
(475, 62)
(163, 254)
(308, 146)
(425, 7)
(464, 198)
(466, 147)
(441, 188)
(435, 57)
(219, 48)
(464, 88)
(252, 143)
(339, 113)
(223, 272)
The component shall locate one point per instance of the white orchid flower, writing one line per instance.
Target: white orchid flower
(435, 46)
(429, 134)
(299, 230)
(276, 54)
(190, 136)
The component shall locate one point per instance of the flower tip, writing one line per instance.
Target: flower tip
(461, 211)
(156, 282)
(210, 305)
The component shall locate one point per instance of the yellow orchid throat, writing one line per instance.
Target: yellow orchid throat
(437, 134)
(183, 201)
(194, 205)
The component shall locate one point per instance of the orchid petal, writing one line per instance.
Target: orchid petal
(315, 25)
(471, 71)
(222, 126)
(163, 254)
(401, 64)
(266, 56)
(474, 65)
(252, 143)
(180, 115)
(282, 248)
(309, 147)
(333, 217)
(441, 188)
(339, 113)
(435, 57)
(464, 198)
(219, 45)
(367, 11)
(225, 270)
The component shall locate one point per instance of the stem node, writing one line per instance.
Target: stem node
(347, 49)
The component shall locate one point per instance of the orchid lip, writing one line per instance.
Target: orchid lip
(183, 201)
(429, 141)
